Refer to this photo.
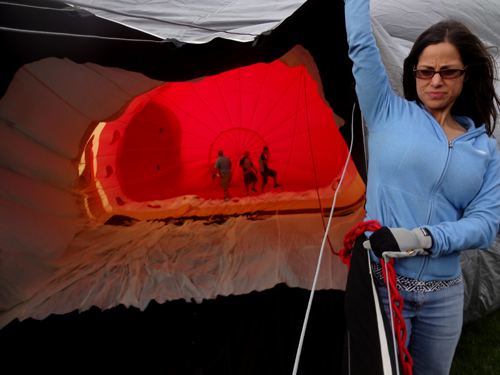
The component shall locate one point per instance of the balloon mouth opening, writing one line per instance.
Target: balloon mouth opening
(157, 160)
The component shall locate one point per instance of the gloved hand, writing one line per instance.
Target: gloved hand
(408, 242)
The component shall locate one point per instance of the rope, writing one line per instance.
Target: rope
(396, 301)
(143, 17)
(303, 333)
(399, 323)
(314, 166)
(350, 237)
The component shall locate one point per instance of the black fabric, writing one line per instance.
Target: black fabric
(257, 333)
(362, 351)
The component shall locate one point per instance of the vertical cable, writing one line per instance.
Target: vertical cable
(302, 335)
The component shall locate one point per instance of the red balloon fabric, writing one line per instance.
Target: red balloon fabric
(165, 145)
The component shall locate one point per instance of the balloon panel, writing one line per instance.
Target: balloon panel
(165, 145)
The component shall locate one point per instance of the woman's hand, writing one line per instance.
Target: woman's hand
(399, 240)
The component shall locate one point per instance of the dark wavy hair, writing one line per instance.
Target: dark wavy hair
(478, 99)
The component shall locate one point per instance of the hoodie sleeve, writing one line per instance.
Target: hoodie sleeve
(374, 92)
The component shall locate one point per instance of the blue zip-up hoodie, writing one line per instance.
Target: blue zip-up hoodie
(416, 177)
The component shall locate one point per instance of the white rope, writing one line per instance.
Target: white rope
(302, 335)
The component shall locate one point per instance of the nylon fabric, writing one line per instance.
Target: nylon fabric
(132, 265)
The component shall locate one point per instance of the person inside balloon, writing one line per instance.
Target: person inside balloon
(223, 169)
(433, 175)
(249, 177)
(265, 171)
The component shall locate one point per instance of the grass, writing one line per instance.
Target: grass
(478, 351)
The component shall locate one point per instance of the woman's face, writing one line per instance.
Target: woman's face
(438, 94)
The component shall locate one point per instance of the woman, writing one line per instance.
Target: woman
(433, 175)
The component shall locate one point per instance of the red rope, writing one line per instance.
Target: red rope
(345, 253)
(397, 311)
(390, 280)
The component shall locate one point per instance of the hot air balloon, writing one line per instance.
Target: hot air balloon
(114, 115)
(165, 145)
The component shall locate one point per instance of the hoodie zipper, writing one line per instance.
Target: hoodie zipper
(448, 155)
(438, 184)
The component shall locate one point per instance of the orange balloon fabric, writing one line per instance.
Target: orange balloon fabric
(165, 145)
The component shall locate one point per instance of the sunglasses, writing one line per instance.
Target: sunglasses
(445, 74)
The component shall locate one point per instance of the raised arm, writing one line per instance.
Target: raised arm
(372, 85)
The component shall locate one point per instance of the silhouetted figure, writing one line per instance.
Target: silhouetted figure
(249, 177)
(223, 168)
(264, 169)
